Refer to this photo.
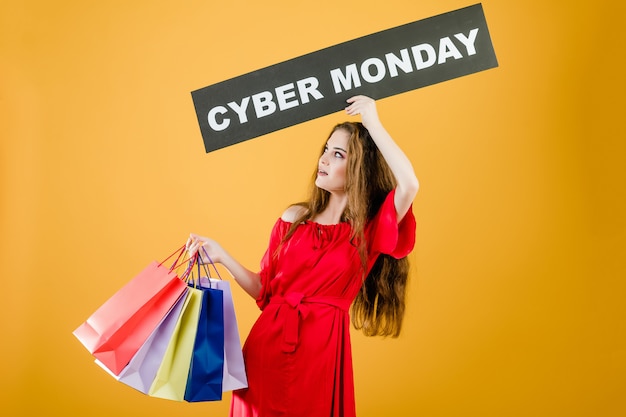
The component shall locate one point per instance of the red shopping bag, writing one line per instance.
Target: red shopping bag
(118, 328)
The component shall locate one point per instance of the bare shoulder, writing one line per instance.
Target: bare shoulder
(292, 213)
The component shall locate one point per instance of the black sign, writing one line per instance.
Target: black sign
(379, 65)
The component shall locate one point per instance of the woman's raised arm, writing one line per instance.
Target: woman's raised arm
(407, 183)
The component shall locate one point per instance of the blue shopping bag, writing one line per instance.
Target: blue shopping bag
(206, 370)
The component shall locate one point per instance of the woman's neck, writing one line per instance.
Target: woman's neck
(333, 213)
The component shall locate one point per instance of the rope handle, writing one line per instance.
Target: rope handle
(180, 252)
(200, 264)
(208, 274)
(195, 259)
(178, 262)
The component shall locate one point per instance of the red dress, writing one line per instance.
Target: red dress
(298, 356)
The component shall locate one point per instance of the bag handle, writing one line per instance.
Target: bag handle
(195, 259)
(200, 264)
(191, 261)
(212, 264)
(178, 262)
(180, 252)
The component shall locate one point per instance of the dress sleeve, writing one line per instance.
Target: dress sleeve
(386, 235)
(267, 271)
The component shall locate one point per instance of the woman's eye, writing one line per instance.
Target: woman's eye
(338, 155)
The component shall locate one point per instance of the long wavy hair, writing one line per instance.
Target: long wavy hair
(378, 309)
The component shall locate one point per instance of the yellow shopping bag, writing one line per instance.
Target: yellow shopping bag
(171, 378)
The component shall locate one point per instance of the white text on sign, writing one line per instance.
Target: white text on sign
(371, 70)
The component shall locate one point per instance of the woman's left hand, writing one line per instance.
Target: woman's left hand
(366, 107)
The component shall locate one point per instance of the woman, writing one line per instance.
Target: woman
(346, 246)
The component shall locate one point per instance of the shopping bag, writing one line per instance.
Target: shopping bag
(142, 368)
(204, 382)
(118, 328)
(171, 378)
(234, 368)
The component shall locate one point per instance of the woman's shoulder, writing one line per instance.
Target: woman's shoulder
(293, 213)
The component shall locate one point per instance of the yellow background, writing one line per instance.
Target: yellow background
(516, 301)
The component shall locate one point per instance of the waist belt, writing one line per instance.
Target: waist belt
(295, 306)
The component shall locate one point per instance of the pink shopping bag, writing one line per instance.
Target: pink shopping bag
(117, 329)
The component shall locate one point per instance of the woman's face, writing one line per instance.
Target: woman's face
(331, 167)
